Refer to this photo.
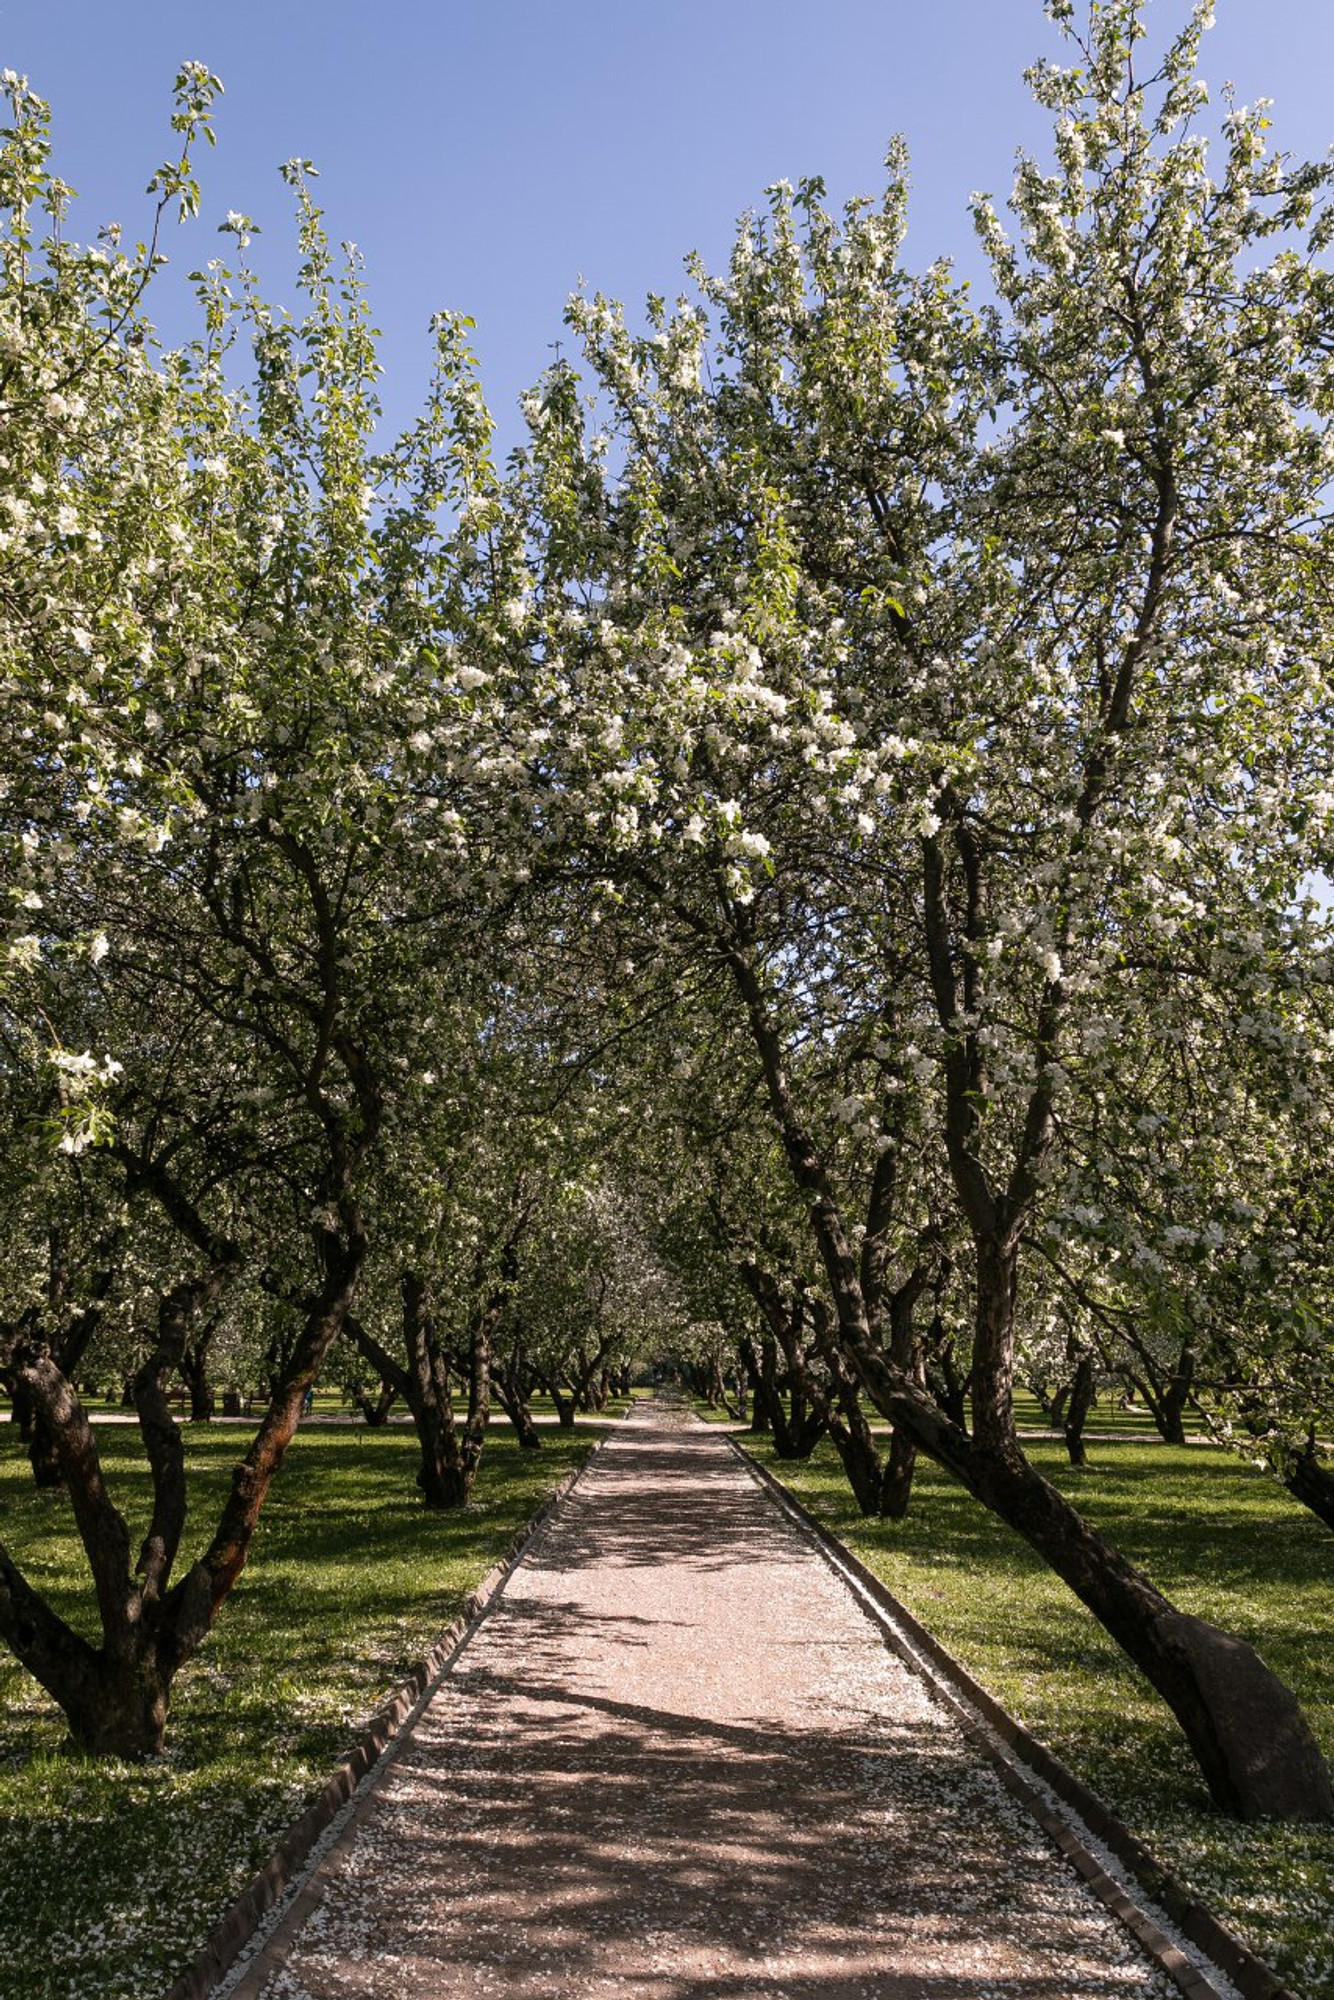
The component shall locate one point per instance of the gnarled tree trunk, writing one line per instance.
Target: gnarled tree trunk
(116, 1695)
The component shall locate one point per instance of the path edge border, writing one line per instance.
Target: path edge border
(1014, 1751)
(235, 1929)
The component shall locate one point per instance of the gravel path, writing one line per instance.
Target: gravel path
(678, 1763)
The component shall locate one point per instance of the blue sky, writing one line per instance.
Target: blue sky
(484, 156)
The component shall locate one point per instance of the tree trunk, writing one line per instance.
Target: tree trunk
(127, 1717)
(194, 1369)
(1164, 1400)
(37, 1435)
(896, 1483)
(509, 1380)
(375, 1409)
(1076, 1415)
(775, 1409)
(565, 1405)
(759, 1409)
(115, 1696)
(69, 1331)
(881, 1487)
(1176, 1395)
(948, 1389)
(1311, 1480)
(589, 1379)
(515, 1405)
(451, 1451)
(860, 1460)
(799, 1424)
(896, 1487)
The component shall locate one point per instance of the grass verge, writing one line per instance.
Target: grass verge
(1224, 1543)
(112, 1875)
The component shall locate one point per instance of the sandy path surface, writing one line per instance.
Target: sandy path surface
(677, 1763)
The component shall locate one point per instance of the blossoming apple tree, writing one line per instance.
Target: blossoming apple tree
(239, 811)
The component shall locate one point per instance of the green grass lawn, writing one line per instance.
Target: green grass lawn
(333, 1403)
(111, 1876)
(1224, 1543)
(1107, 1416)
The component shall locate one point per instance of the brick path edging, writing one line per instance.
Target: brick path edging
(1018, 1756)
(240, 1922)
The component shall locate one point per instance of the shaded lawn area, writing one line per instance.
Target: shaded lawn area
(111, 1875)
(1108, 1414)
(1224, 1543)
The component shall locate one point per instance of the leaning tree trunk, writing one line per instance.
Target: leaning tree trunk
(1077, 1410)
(509, 1387)
(1248, 1733)
(1310, 1479)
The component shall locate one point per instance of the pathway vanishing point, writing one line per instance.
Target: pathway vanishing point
(677, 1762)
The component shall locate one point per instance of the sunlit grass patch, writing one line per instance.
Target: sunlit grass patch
(1224, 1543)
(111, 1876)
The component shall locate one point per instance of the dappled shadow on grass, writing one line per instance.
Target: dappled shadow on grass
(1194, 1518)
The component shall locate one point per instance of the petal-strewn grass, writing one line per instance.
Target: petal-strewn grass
(1223, 1542)
(111, 1876)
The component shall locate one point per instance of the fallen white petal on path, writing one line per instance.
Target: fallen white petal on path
(677, 1762)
